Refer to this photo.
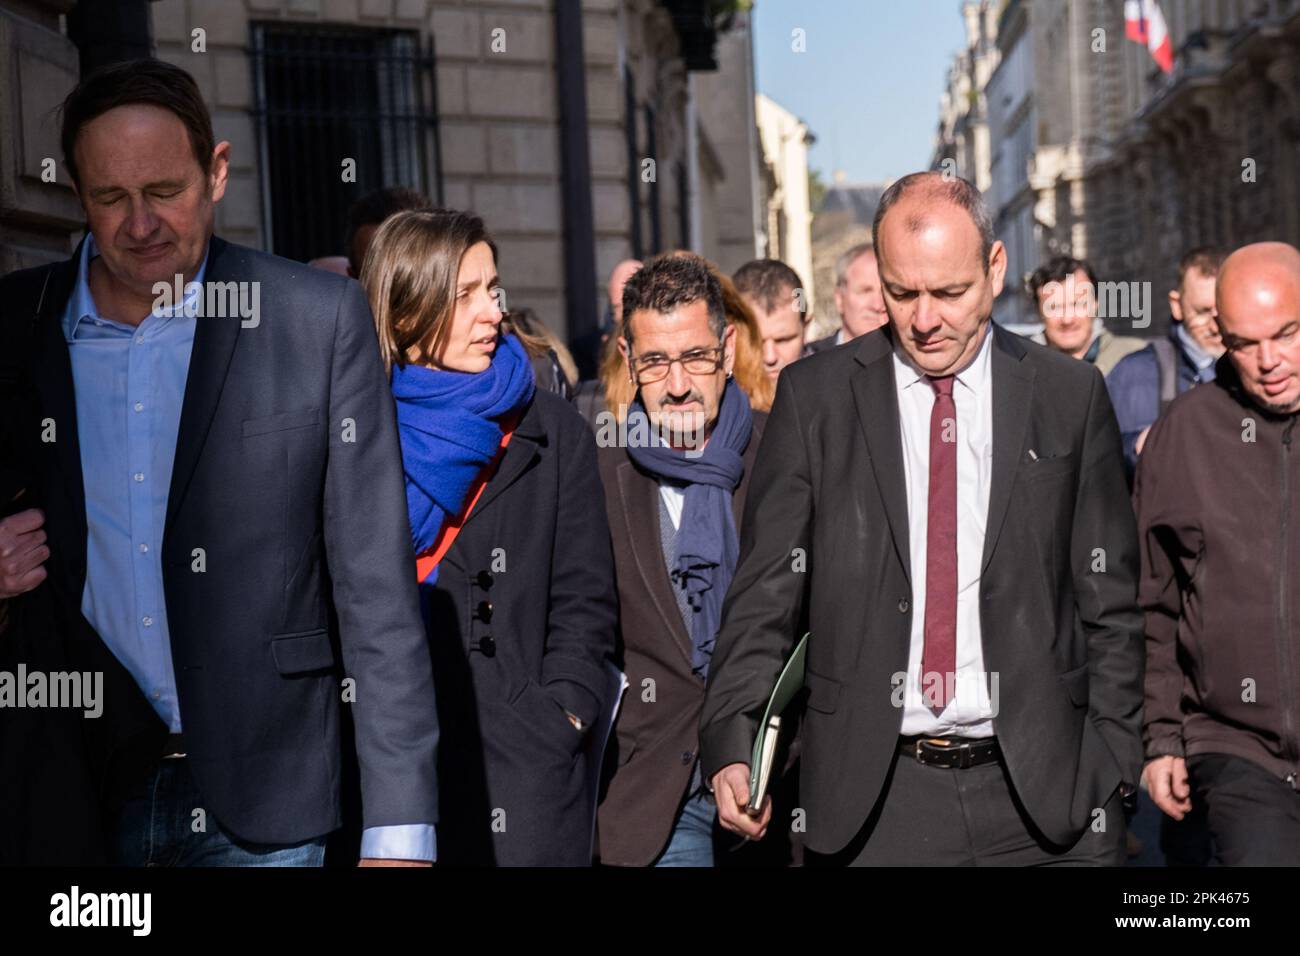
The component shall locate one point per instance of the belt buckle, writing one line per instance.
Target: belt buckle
(939, 746)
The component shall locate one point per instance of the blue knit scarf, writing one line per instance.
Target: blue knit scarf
(448, 425)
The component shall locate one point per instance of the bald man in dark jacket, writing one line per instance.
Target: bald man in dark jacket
(1218, 504)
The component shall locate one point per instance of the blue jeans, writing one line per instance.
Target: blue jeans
(692, 841)
(157, 827)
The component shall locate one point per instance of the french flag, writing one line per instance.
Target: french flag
(1145, 24)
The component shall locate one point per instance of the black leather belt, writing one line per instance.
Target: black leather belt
(174, 747)
(951, 753)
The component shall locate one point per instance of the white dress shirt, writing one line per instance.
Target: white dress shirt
(674, 498)
(969, 712)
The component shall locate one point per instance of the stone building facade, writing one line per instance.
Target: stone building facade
(38, 65)
(843, 221)
(785, 139)
(583, 131)
(1098, 153)
(962, 141)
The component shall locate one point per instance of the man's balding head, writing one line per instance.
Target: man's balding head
(940, 269)
(1258, 299)
(931, 189)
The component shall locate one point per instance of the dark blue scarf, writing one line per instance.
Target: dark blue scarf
(448, 425)
(707, 546)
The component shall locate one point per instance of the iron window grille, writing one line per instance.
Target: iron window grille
(323, 95)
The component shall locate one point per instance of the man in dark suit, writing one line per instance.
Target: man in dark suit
(224, 495)
(674, 491)
(974, 673)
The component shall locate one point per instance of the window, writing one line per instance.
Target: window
(328, 94)
(652, 151)
(641, 138)
(633, 161)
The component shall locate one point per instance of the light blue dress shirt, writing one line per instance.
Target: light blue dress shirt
(129, 382)
(130, 385)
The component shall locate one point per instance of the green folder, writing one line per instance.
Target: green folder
(760, 763)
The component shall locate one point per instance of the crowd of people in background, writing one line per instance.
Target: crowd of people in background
(368, 580)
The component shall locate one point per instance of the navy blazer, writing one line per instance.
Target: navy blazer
(288, 476)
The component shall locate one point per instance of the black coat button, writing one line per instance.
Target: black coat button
(484, 579)
(903, 606)
(484, 611)
(687, 756)
(487, 645)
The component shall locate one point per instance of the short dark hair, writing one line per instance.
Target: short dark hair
(954, 189)
(1206, 260)
(671, 280)
(769, 282)
(1057, 269)
(149, 81)
(373, 208)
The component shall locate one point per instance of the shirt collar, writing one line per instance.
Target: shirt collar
(1098, 340)
(972, 377)
(1199, 358)
(81, 304)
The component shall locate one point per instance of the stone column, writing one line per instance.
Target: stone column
(39, 215)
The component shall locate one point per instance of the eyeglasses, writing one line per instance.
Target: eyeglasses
(652, 368)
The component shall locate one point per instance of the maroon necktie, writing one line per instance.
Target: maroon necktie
(939, 658)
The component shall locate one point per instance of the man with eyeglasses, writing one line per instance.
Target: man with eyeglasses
(1144, 383)
(1218, 505)
(674, 490)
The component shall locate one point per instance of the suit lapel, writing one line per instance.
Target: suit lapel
(214, 344)
(52, 373)
(1013, 387)
(876, 399)
(639, 497)
(751, 452)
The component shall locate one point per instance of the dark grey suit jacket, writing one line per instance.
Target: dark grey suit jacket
(1065, 639)
(302, 522)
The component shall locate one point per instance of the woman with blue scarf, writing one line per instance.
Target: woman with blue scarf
(512, 548)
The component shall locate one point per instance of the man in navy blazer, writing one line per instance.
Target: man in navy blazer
(223, 499)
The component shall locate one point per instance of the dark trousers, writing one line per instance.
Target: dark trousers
(1254, 817)
(930, 816)
(1185, 842)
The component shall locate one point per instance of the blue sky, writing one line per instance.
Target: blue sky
(869, 83)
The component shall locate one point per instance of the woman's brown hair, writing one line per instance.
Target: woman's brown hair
(410, 274)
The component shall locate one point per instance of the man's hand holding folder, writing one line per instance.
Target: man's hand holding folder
(735, 784)
(731, 791)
